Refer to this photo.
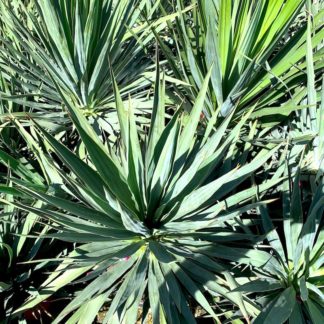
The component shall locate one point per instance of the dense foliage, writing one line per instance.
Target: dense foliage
(161, 161)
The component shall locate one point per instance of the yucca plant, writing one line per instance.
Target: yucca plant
(257, 48)
(295, 294)
(20, 242)
(156, 220)
(19, 280)
(74, 43)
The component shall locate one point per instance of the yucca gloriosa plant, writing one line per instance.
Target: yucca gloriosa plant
(20, 242)
(18, 280)
(75, 43)
(258, 50)
(294, 294)
(150, 217)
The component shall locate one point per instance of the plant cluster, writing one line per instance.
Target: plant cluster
(161, 161)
